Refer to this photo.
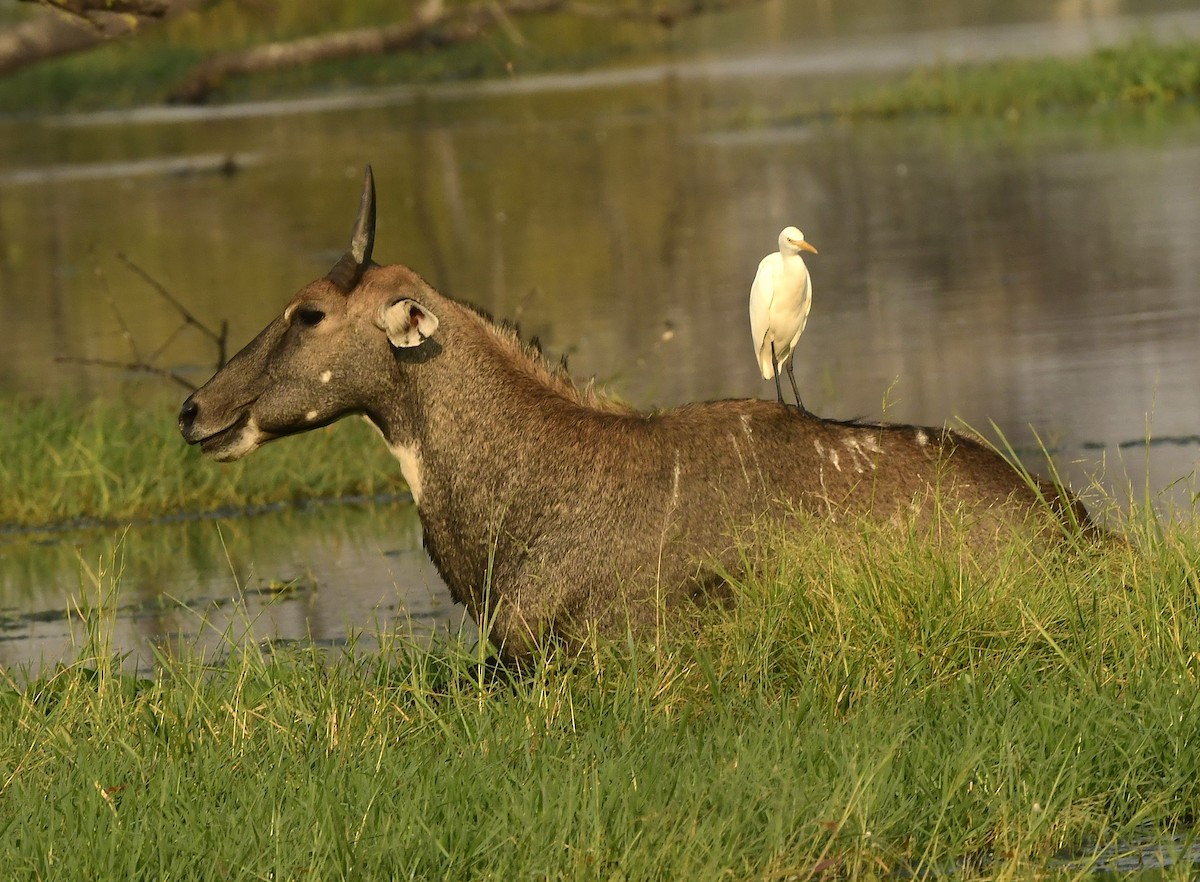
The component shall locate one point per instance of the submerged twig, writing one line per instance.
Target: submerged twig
(430, 26)
(146, 365)
(136, 366)
(218, 338)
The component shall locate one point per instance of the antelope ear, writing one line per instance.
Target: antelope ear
(407, 323)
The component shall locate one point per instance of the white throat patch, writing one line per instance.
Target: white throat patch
(409, 457)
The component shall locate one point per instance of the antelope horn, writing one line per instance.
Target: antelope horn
(347, 271)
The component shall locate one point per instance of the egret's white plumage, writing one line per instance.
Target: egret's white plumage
(779, 302)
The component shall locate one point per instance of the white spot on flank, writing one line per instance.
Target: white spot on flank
(746, 424)
(326, 376)
(833, 458)
(855, 449)
(409, 457)
(820, 449)
(311, 415)
(921, 438)
(675, 482)
(824, 492)
(741, 459)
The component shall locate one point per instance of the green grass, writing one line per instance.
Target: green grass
(116, 462)
(1136, 74)
(904, 710)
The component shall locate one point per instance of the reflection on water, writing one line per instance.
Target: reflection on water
(1041, 276)
(322, 573)
(1150, 855)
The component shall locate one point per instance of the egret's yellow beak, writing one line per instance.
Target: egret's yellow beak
(803, 245)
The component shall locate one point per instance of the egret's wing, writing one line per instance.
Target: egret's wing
(805, 306)
(761, 293)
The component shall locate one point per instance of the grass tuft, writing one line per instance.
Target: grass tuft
(1139, 73)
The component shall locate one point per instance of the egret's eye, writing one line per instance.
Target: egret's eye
(309, 316)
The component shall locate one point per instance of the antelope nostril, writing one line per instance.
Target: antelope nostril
(187, 414)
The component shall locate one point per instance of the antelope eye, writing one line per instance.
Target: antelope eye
(309, 316)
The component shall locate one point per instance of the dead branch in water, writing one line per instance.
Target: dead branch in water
(78, 25)
(139, 363)
(95, 10)
(220, 339)
(431, 26)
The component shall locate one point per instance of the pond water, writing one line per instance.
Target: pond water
(1039, 275)
(326, 573)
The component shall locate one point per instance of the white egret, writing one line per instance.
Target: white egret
(779, 302)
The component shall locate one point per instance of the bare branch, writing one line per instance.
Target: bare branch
(86, 8)
(431, 26)
(82, 24)
(102, 16)
(421, 29)
(134, 366)
(162, 347)
(667, 15)
(183, 311)
(44, 38)
(71, 26)
(153, 9)
(127, 334)
(146, 365)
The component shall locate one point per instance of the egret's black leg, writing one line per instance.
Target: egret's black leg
(775, 368)
(795, 391)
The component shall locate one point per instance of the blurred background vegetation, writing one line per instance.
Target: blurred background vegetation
(124, 72)
(152, 59)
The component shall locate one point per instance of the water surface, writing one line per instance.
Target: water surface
(326, 573)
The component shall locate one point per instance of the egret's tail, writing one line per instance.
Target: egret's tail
(764, 361)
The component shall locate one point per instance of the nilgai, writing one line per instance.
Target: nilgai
(550, 511)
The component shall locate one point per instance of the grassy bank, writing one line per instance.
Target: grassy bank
(857, 716)
(62, 461)
(1136, 74)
